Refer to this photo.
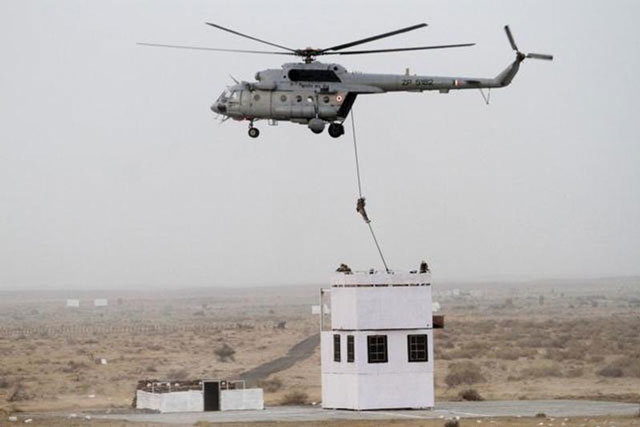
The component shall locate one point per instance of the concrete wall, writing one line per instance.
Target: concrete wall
(383, 391)
(243, 399)
(397, 353)
(193, 400)
(177, 401)
(390, 307)
(363, 385)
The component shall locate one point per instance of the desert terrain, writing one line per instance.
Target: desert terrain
(527, 340)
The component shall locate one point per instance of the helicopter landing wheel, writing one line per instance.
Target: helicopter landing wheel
(336, 130)
(254, 132)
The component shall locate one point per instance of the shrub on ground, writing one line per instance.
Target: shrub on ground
(470, 394)
(295, 397)
(225, 353)
(611, 372)
(17, 393)
(622, 367)
(270, 385)
(463, 373)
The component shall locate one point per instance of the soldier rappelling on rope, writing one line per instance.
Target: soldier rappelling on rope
(360, 208)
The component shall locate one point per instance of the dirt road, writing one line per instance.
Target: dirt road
(298, 352)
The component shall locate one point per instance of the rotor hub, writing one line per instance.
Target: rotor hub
(309, 54)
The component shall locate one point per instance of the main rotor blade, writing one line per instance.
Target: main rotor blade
(510, 37)
(372, 38)
(249, 37)
(540, 56)
(173, 46)
(402, 49)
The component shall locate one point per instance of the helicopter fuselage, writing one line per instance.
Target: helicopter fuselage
(317, 93)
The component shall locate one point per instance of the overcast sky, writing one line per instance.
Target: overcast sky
(114, 172)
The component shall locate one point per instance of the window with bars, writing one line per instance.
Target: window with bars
(377, 348)
(336, 348)
(351, 353)
(417, 348)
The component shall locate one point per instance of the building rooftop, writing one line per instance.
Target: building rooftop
(380, 279)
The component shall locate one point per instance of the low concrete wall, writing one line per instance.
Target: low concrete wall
(235, 400)
(177, 401)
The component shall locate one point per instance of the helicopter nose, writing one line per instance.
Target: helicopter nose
(219, 108)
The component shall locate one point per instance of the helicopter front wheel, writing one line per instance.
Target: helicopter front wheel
(254, 132)
(336, 130)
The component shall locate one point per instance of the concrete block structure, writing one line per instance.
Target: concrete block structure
(377, 349)
(197, 396)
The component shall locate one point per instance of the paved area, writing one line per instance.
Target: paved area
(298, 352)
(553, 408)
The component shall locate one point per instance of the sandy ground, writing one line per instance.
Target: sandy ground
(527, 341)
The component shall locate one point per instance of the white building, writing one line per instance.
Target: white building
(198, 396)
(378, 352)
(100, 302)
(73, 303)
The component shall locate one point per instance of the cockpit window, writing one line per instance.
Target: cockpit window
(224, 96)
(233, 95)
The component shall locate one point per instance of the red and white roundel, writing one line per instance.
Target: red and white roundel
(339, 98)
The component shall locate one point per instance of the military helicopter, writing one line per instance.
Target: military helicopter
(316, 94)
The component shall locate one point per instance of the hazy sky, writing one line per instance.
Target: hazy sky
(113, 171)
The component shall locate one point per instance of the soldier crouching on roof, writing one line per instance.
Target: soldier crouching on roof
(360, 209)
(424, 267)
(344, 268)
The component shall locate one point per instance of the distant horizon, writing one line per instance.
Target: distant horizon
(446, 283)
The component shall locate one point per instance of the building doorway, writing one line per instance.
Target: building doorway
(211, 395)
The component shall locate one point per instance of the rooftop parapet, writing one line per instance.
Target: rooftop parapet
(368, 279)
(380, 301)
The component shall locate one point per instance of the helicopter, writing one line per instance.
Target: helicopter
(315, 94)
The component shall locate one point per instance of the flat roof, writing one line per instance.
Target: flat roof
(380, 279)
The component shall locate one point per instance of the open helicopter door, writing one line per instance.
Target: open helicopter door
(343, 112)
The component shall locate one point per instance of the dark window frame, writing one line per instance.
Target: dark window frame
(377, 349)
(351, 349)
(418, 348)
(336, 348)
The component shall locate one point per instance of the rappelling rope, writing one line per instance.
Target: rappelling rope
(355, 150)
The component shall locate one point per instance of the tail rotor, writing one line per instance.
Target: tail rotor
(521, 55)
